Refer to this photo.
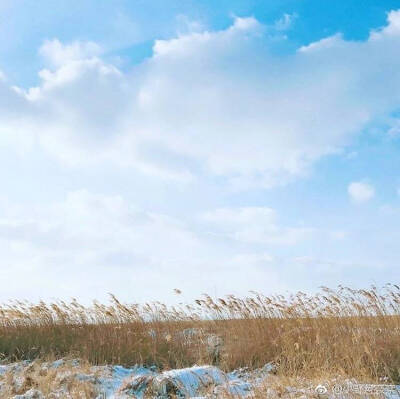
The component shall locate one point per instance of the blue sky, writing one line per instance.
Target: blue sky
(216, 148)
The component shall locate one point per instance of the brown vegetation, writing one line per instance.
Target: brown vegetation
(351, 333)
(42, 380)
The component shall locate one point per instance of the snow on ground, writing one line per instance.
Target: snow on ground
(73, 379)
(119, 382)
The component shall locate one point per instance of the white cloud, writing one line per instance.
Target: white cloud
(219, 105)
(330, 42)
(58, 54)
(392, 28)
(97, 221)
(186, 25)
(87, 245)
(216, 103)
(90, 244)
(338, 234)
(255, 225)
(360, 191)
(331, 266)
(285, 22)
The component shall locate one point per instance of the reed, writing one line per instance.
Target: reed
(345, 332)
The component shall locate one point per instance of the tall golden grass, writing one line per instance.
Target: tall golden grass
(346, 332)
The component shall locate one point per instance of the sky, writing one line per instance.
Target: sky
(214, 147)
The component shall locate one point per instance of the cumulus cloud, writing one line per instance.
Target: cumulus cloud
(218, 103)
(360, 191)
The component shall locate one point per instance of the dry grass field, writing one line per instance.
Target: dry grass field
(345, 332)
(336, 334)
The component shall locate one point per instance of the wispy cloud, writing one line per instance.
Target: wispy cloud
(360, 191)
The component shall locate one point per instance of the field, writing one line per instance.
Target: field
(341, 334)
